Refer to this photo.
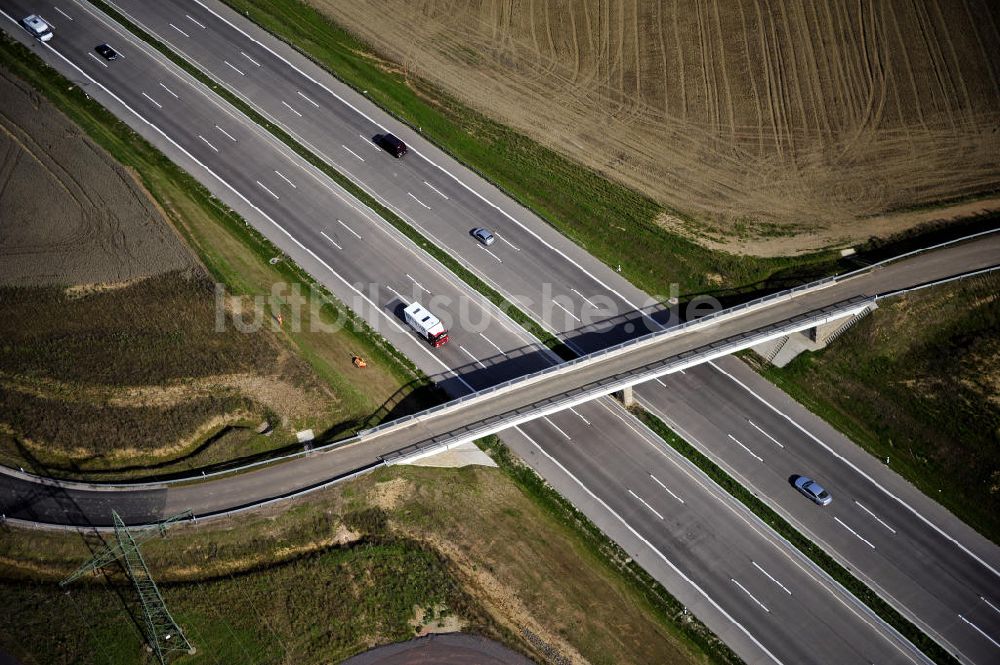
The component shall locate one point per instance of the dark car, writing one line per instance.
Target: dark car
(106, 52)
(391, 145)
(813, 490)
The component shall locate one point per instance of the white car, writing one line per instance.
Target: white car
(37, 26)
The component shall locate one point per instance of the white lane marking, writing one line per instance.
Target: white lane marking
(652, 510)
(266, 189)
(513, 246)
(207, 143)
(371, 143)
(419, 285)
(270, 220)
(231, 137)
(195, 21)
(290, 108)
(979, 630)
(158, 105)
(234, 68)
(323, 233)
(499, 260)
(752, 597)
(356, 234)
(683, 372)
(660, 382)
(754, 425)
(995, 608)
(752, 453)
(558, 429)
(859, 537)
(494, 345)
(648, 544)
(477, 361)
(62, 12)
(580, 416)
(439, 192)
(783, 587)
(864, 475)
(169, 90)
(667, 489)
(352, 152)
(249, 58)
(469, 188)
(307, 99)
(281, 175)
(101, 62)
(401, 299)
(418, 200)
(585, 298)
(566, 310)
(876, 517)
(179, 30)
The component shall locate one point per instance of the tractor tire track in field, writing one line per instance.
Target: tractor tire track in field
(808, 116)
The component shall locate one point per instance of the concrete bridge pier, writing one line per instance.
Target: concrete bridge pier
(626, 396)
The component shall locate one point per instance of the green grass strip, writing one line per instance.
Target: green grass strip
(815, 553)
(130, 149)
(659, 601)
(439, 254)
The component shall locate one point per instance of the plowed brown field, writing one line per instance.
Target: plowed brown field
(761, 118)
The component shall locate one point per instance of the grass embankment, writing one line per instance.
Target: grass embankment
(319, 580)
(918, 382)
(235, 256)
(610, 221)
(842, 575)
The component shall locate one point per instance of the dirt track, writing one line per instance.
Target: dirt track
(763, 118)
(69, 214)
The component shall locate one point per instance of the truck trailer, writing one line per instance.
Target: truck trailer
(426, 324)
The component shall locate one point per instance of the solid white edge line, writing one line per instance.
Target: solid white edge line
(860, 472)
(429, 161)
(658, 553)
(249, 203)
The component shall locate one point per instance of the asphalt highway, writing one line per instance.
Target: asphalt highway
(317, 207)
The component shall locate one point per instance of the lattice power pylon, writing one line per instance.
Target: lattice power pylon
(163, 634)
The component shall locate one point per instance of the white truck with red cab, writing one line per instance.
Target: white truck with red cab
(426, 324)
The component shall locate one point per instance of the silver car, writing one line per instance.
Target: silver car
(813, 490)
(37, 26)
(484, 236)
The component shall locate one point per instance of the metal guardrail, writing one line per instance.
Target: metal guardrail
(412, 418)
(611, 384)
(649, 337)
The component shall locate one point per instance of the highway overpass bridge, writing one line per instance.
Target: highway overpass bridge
(825, 304)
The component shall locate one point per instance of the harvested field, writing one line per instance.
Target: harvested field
(70, 214)
(780, 127)
(112, 364)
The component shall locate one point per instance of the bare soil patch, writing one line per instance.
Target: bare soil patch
(781, 127)
(70, 214)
